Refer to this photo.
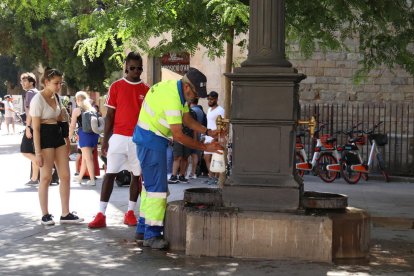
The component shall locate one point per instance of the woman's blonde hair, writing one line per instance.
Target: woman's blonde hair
(85, 103)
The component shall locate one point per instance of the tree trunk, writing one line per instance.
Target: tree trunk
(227, 92)
(228, 69)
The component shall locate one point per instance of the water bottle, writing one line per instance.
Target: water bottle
(217, 164)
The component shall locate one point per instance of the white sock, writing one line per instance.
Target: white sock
(102, 207)
(131, 205)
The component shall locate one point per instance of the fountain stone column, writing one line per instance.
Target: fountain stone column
(265, 108)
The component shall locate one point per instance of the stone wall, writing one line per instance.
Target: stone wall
(330, 79)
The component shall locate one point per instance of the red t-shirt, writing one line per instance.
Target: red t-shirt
(126, 98)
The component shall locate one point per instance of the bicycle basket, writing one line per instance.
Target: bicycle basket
(380, 139)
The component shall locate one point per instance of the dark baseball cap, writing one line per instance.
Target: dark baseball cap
(213, 94)
(199, 80)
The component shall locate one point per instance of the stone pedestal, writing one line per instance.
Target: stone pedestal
(265, 107)
(264, 114)
(259, 235)
(221, 232)
(176, 224)
(351, 233)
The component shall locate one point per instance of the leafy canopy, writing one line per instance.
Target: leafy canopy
(384, 27)
(42, 32)
(174, 26)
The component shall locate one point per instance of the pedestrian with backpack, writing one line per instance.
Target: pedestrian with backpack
(87, 140)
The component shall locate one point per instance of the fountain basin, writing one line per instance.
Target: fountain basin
(320, 200)
(203, 197)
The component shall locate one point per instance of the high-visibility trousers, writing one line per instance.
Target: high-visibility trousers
(154, 192)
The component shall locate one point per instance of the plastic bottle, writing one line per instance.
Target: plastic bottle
(217, 164)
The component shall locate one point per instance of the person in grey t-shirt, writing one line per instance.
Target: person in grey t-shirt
(28, 82)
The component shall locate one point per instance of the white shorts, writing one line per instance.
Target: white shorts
(208, 140)
(122, 155)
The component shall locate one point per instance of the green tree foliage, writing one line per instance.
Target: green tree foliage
(8, 73)
(178, 25)
(41, 32)
(384, 27)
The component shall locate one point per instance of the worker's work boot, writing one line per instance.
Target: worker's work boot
(156, 243)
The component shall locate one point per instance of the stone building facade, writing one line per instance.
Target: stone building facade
(330, 80)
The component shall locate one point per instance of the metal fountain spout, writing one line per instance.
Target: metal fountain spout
(312, 124)
(222, 124)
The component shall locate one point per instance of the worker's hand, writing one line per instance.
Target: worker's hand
(214, 147)
(213, 133)
(218, 133)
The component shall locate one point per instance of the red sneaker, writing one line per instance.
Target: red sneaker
(130, 219)
(98, 222)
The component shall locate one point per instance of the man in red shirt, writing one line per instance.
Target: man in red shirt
(123, 104)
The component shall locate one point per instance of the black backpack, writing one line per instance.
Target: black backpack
(123, 178)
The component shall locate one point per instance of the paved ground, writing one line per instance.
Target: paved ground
(27, 248)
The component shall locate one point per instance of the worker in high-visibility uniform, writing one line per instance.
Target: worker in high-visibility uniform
(164, 110)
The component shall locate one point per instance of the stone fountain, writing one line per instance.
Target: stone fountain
(262, 211)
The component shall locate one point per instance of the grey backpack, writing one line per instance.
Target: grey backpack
(92, 122)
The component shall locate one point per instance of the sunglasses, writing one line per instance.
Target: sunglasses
(53, 73)
(139, 68)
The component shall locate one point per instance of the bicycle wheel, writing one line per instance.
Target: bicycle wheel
(350, 176)
(324, 160)
(299, 159)
(382, 167)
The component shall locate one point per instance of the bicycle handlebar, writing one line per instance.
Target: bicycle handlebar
(351, 131)
(369, 131)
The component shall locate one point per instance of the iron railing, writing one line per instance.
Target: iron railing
(398, 125)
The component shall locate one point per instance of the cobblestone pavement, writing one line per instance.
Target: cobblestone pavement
(27, 248)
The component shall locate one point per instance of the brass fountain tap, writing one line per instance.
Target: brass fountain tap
(222, 124)
(311, 123)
